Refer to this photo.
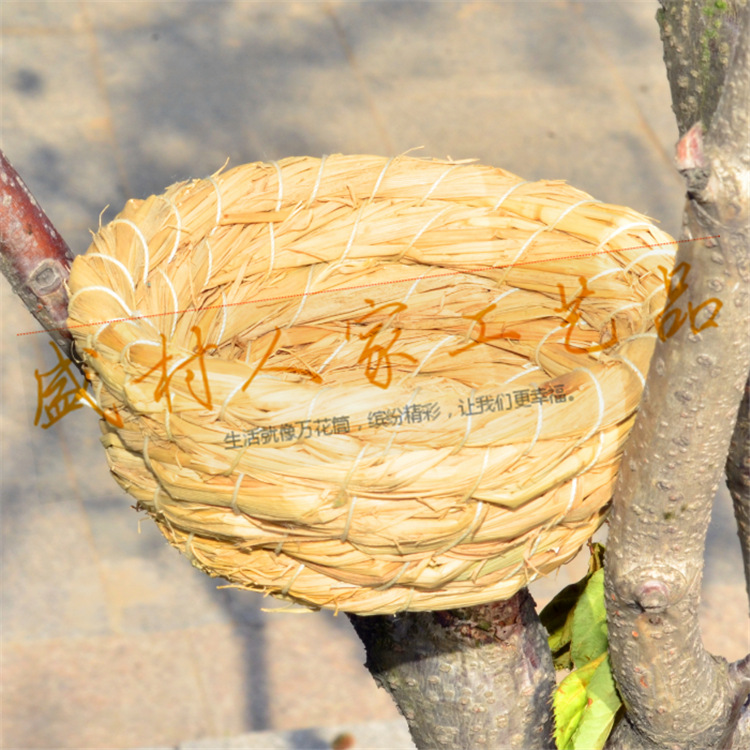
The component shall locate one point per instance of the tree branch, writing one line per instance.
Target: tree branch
(466, 678)
(675, 693)
(698, 38)
(738, 479)
(33, 256)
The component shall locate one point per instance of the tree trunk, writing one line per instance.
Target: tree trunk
(466, 678)
(676, 694)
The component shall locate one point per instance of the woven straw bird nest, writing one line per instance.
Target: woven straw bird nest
(370, 385)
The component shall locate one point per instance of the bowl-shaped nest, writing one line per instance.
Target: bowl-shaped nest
(370, 385)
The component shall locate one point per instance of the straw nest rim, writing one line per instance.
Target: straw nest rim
(370, 384)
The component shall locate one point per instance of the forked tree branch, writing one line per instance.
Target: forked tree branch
(676, 694)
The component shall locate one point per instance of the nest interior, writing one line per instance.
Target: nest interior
(370, 384)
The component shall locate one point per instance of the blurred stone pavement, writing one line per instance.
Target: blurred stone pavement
(110, 639)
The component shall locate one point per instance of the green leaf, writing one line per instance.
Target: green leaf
(586, 702)
(602, 705)
(589, 631)
(557, 616)
(570, 701)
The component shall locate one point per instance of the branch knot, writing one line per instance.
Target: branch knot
(652, 595)
(653, 589)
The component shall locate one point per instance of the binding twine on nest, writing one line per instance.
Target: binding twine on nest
(370, 385)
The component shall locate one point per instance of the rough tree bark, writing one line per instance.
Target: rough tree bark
(478, 677)
(676, 694)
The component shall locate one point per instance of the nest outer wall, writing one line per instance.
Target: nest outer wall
(366, 384)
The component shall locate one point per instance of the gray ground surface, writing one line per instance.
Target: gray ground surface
(109, 638)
